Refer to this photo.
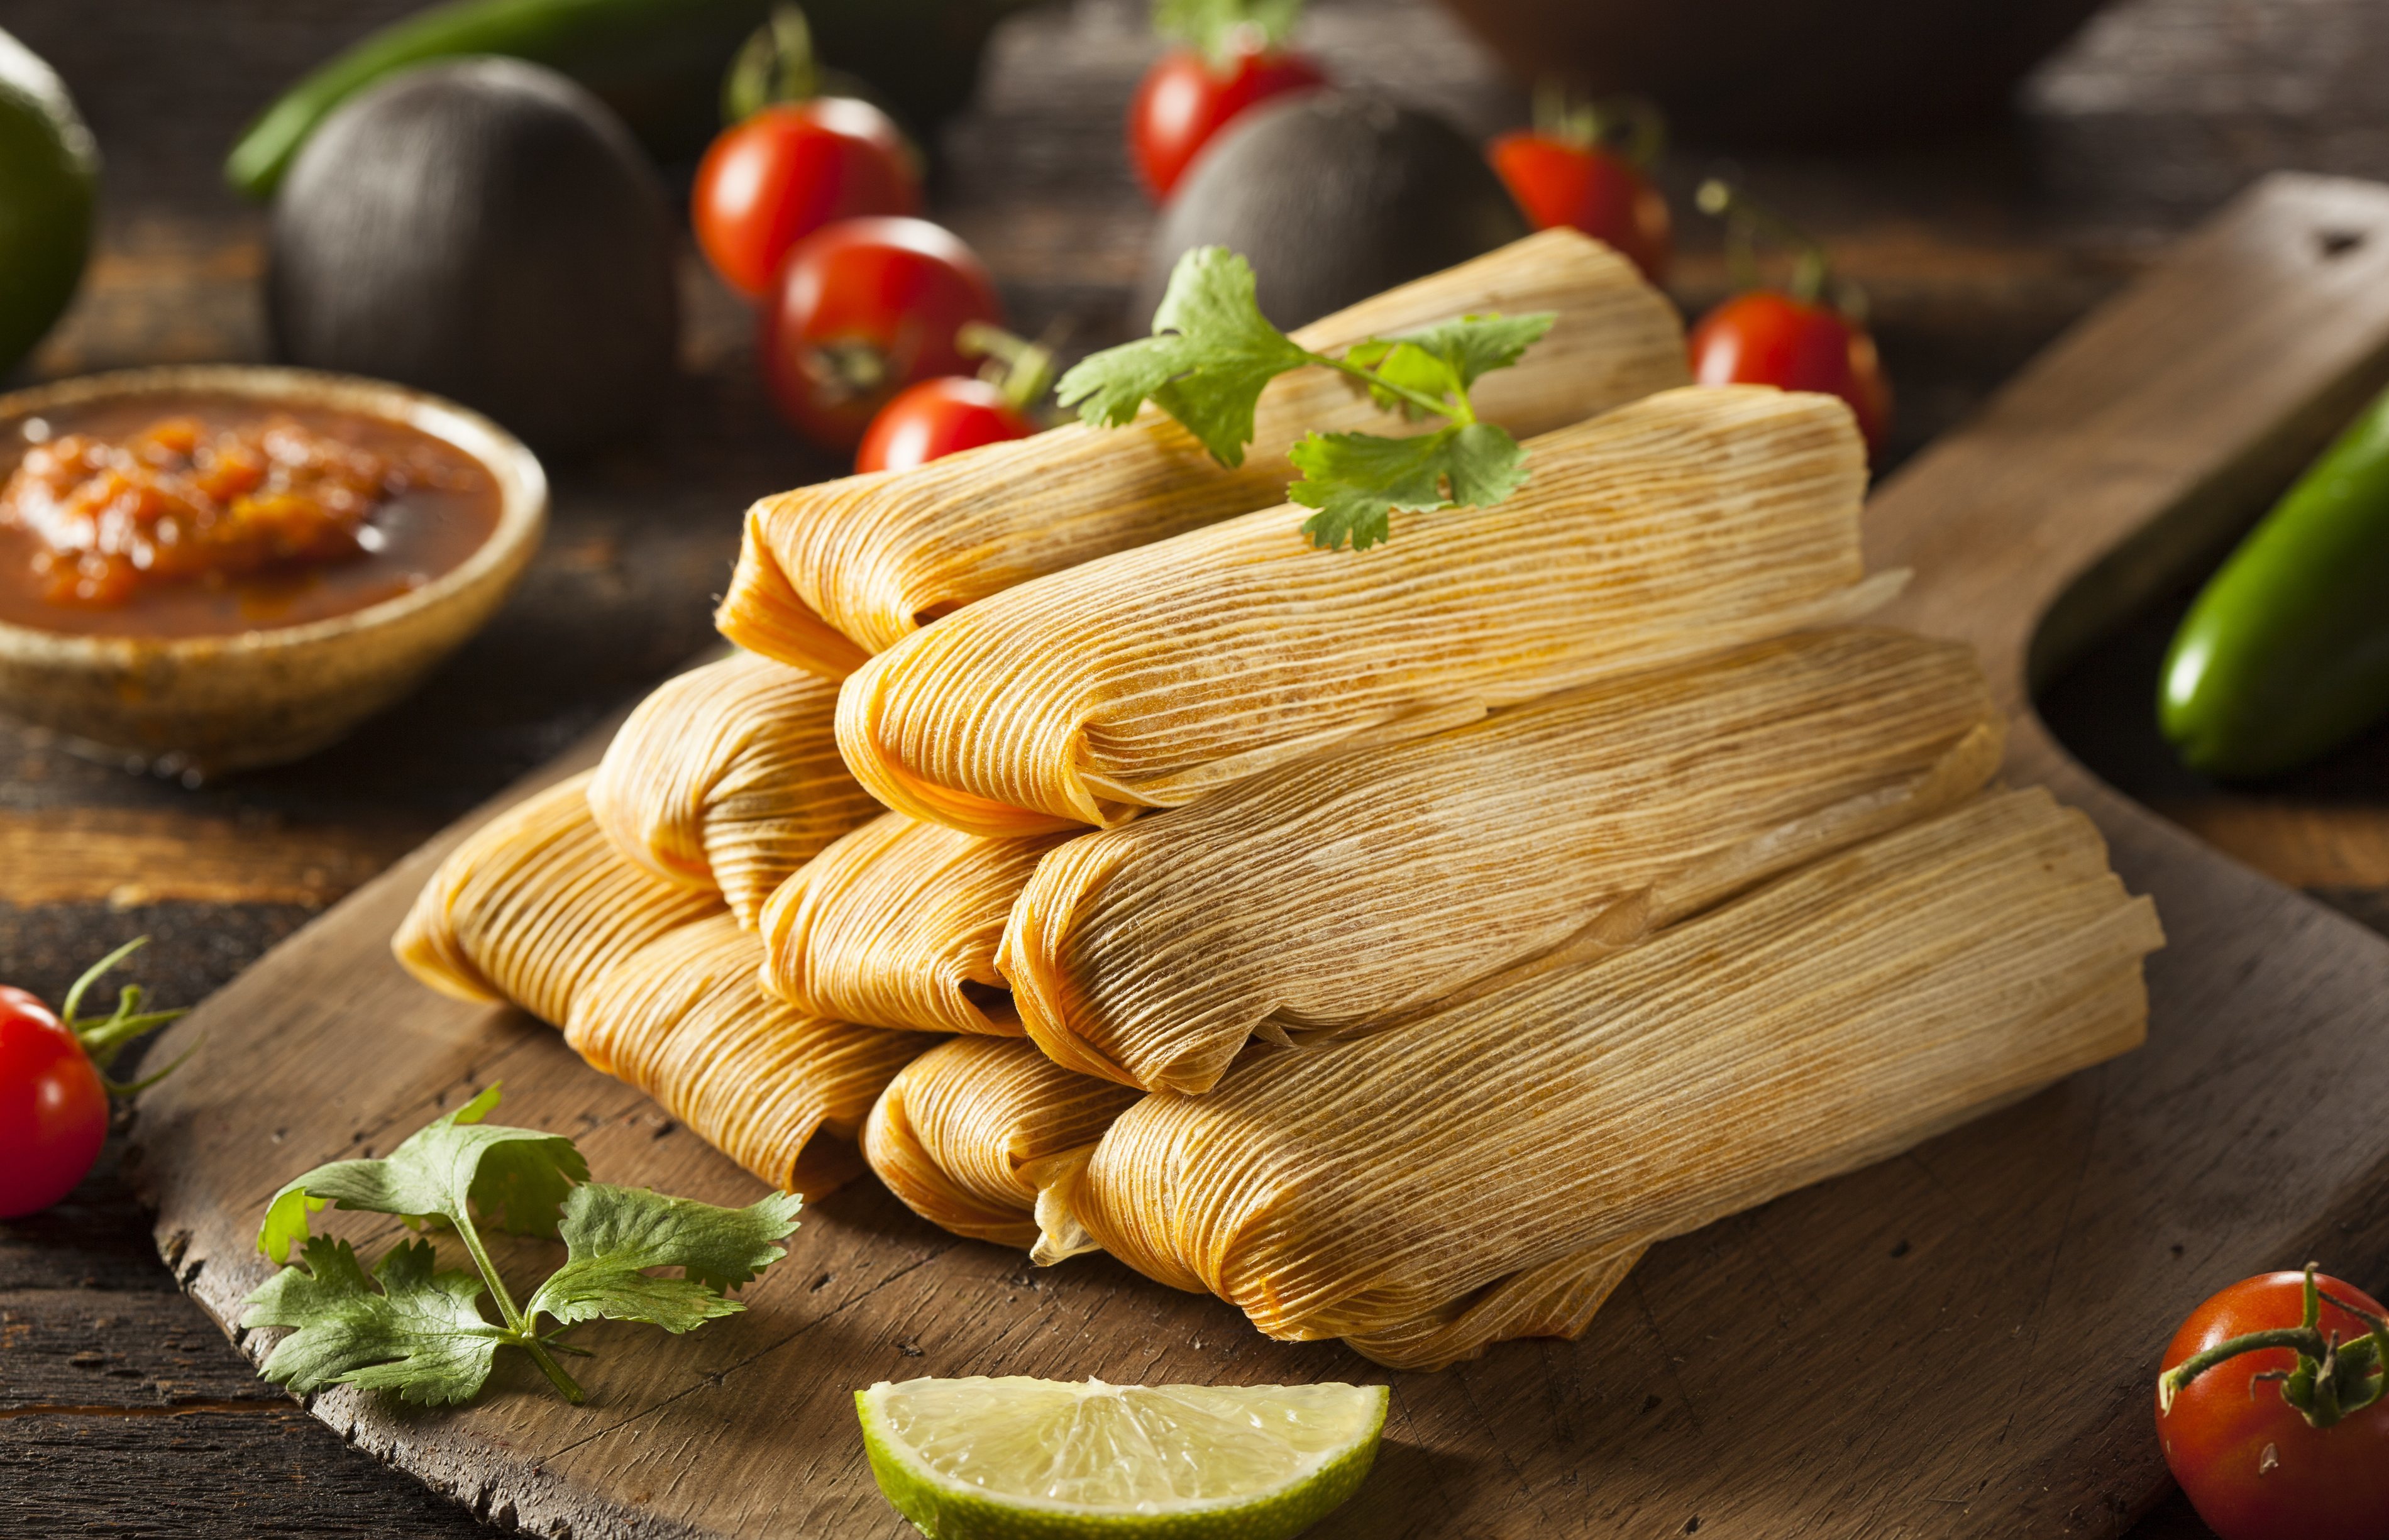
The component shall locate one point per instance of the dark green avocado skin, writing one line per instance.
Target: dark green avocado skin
(49, 176)
(486, 230)
(1333, 197)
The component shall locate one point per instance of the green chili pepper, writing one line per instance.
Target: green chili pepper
(2284, 655)
(659, 63)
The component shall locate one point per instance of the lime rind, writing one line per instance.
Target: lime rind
(1311, 1483)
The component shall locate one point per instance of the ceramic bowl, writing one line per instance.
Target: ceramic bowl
(197, 707)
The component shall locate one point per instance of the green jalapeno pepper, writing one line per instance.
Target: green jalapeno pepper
(2285, 653)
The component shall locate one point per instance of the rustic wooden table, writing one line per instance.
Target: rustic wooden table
(122, 1411)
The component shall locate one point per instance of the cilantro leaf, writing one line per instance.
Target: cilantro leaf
(614, 1233)
(1357, 480)
(1211, 353)
(420, 1333)
(456, 1164)
(1474, 346)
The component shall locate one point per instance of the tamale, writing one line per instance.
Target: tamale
(781, 1092)
(832, 573)
(728, 776)
(536, 903)
(1329, 895)
(964, 1131)
(1492, 1168)
(1686, 523)
(896, 925)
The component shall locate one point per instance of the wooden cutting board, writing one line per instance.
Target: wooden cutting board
(1961, 1341)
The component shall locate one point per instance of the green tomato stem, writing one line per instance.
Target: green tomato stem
(2331, 1382)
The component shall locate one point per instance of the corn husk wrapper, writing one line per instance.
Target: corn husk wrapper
(963, 1133)
(1329, 895)
(896, 925)
(728, 776)
(536, 903)
(781, 1092)
(830, 574)
(1689, 522)
(1491, 1169)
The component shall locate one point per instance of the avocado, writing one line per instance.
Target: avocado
(49, 175)
(489, 231)
(1333, 197)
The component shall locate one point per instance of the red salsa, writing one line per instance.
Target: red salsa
(189, 516)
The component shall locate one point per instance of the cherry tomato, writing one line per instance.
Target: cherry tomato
(865, 308)
(1184, 99)
(1589, 188)
(783, 173)
(2250, 1462)
(939, 417)
(1765, 336)
(53, 1107)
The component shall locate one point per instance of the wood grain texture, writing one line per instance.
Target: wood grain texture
(131, 857)
(1987, 1308)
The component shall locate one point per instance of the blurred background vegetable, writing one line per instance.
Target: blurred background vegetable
(487, 230)
(788, 170)
(1586, 165)
(2284, 655)
(659, 63)
(1809, 335)
(861, 310)
(49, 176)
(1333, 197)
(1230, 54)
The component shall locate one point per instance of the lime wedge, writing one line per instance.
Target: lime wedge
(1024, 1459)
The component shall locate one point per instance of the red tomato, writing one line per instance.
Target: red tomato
(2251, 1465)
(1586, 188)
(1184, 100)
(790, 170)
(53, 1108)
(863, 308)
(1768, 338)
(939, 417)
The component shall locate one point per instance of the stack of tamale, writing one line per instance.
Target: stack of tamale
(1393, 944)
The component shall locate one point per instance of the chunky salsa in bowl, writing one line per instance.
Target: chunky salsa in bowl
(211, 568)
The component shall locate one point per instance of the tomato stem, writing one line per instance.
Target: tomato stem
(1812, 270)
(1631, 125)
(1019, 368)
(775, 64)
(102, 1040)
(2332, 1381)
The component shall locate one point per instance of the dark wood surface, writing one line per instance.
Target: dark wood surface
(119, 1410)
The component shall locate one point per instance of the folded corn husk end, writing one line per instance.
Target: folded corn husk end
(971, 1135)
(534, 904)
(728, 776)
(781, 1092)
(897, 925)
(762, 612)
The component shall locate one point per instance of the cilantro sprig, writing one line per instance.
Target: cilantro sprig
(1212, 352)
(420, 1331)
